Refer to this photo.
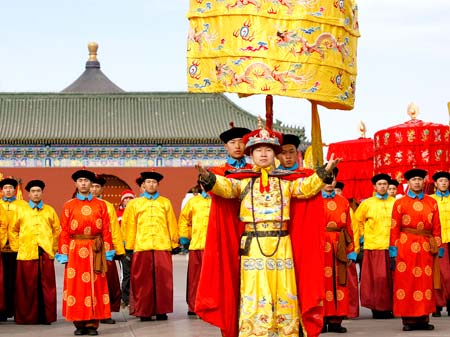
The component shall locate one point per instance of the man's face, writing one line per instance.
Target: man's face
(330, 187)
(8, 191)
(338, 191)
(35, 194)
(416, 184)
(83, 185)
(235, 148)
(288, 155)
(96, 190)
(442, 184)
(381, 187)
(392, 190)
(263, 156)
(151, 186)
(125, 201)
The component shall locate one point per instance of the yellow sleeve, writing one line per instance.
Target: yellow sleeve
(358, 219)
(3, 227)
(13, 230)
(185, 220)
(227, 188)
(116, 234)
(355, 229)
(308, 187)
(56, 229)
(172, 225)
(129, 221)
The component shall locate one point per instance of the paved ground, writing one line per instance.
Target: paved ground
(180, 325)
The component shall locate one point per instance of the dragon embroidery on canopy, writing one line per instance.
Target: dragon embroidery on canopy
(291, 38)
(261, 70)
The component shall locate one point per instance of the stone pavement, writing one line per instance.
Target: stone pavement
(179, 324)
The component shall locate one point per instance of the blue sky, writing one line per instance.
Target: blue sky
(403, 56)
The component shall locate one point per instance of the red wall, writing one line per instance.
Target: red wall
(60, 186)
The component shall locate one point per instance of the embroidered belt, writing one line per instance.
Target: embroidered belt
(341, 253)
(98, 248)
(434, 249)
(245, 243)
(262, 226)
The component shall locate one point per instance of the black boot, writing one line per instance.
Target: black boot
(161, 317)
(437, 313)
(336, 327)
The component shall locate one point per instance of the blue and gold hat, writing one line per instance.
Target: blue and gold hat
(263, 136)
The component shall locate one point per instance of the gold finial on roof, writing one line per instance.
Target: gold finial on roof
(93, 47)
(413, 110)
(362, 129)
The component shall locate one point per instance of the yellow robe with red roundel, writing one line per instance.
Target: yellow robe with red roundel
(413, 276)
(85, 294)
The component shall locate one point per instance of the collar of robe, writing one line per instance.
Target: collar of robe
(81, 197)
(292, 168)
(33, 205)
(149, 196)
(327, 195)
(442, 194)
(413, 195)
(381, 197)
(236, 163)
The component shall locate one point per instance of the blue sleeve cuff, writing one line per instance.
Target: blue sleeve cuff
(184, 241)
(441, 252)
(393, 251)
(61, 258)
(352, 256)
(110, 255)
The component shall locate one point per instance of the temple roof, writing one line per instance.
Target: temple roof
(93, 80)
(121, 118)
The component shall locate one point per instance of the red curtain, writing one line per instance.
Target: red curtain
(356, 168)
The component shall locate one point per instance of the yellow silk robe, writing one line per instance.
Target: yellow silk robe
(373, 218)
(116, 233)
(268, 290)
(35, 228)
(150, 225)
(267, 209)
(193, 221)
(444, 216)
(3, 228)
(11, 216)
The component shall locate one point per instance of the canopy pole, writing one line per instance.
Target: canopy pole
(316, 136)
(269, 112)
